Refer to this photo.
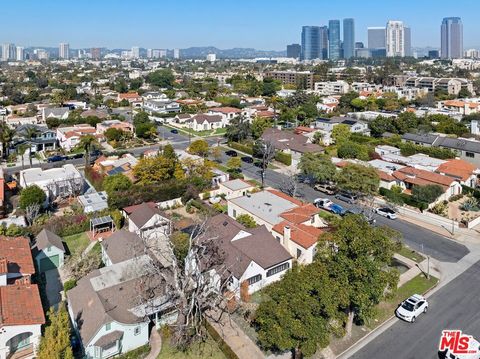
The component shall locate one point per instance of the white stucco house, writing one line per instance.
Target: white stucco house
(147, 221)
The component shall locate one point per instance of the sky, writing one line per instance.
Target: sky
(261, 24)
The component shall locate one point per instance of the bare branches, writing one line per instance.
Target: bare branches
(31, 212)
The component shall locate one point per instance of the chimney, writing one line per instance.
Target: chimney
(3, 271)
(286, 234)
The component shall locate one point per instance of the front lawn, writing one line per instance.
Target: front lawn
(411, 254)
(76, 243)
(208, 349)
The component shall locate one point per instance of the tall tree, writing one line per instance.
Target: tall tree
(341, 133)
(87, 143)
(358, 179)
(319, 166)
(30, 133)
(55, 343)
(358, 260)
(6, 136)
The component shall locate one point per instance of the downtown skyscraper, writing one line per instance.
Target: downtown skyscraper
(334, 39)
(451, 38)
(8, 52)
(398, 39)
(314, 42)
(64, 51)
(348, 38)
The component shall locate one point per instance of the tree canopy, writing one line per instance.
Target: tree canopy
(32, 195)
(428, 193)
(319, 166)
(55, 342)
(162, 78)
(199, 148)
(358, 179)
(118, 182)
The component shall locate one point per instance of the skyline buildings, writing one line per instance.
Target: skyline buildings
(348, 38)
(396, 39)
(64, 51)
(376, 37)
(310, 48)
(451, 38)
(8, 52)
(294, 51)
(334, 39)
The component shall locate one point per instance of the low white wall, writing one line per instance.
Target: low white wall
(170, 203)
(473, 223)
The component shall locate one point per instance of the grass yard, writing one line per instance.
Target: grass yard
(76, 243)
(411, 254)
(208, 349)
(418, 285)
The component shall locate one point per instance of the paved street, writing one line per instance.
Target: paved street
(454, 306)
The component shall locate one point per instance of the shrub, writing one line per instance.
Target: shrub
(31, 195)
(455, 197)
(427, 194)
(69, 284)
(246, 220)
(471, 204)
(242, 148)
(284, 158)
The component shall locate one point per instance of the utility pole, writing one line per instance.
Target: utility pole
(428, 267)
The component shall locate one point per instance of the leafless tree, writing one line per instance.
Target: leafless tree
(192, 285)
(31, 212)
(266, 150)
(290, 185)
(80, 266)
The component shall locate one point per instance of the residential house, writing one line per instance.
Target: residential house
(205, 122)
(21, 310)
(69, 137)
(48, 250)
(408, 177)
(44, 139)
(463, 171)
(326, 126)
(109, 166)
(13, 121)
(276, 210)
(60, 113)
(161, 106)
(385, 149)
(147, 220)
(234, 188)
(182, 118)
(58, 182)
(460, 106)
(328, 88)
(2, 194)
(133, 98)
(93, 201)
(291, 143)
(251, 255)
(102, 127)
(101, 114)
(228, 113)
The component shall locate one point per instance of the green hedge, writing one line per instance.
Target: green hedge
(404, 198)
(469, 190)
(285, 158)
(243, 148)
(69, 284)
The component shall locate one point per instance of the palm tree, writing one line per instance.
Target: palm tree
(21, 149)
(274, 101)
(6, 137)
(87, 142)
(31, 132)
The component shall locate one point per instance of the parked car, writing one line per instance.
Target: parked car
(77, 155)
(307, 179)
(360, 211)
(326, 188)
(328, 205)
(174, 131)
(56, 158)
(247, 159)
(258, 164)
(386, 212)
(231, 153)
(347, 197)
(411, 308)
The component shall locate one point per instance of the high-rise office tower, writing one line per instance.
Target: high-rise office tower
(95, 52)
(408, 41)
(293, 51)
(149, 53)
(8, 52)
(162, 53)
(41, 54)
(452, 38)
(334, 39)
(310, 48)
(135, 52)
(348, 38)
(20, 56)
(395, 38)
(64, 51)
(176, 53)
(376, 37)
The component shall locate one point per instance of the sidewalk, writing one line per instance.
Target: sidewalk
(235, 338)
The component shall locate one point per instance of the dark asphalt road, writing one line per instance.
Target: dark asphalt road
(455, 306)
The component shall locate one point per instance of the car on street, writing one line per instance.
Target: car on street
(386, 212)
(326, 188)
(247, 159)
(56, 158)
(361, 212)
(305, 178)
(76, 156)
(411, 308)
(231, 153)
(258, 164)
(328, 205)
(174, 131)
(347, 197)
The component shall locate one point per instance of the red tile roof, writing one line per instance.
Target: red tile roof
(303, 129)
(128, 95)
(457, 168)
(384, 176)
(422, 177)
(225, 110)
(18, 255)
(20, 305)
(303, 235)
(300, 214)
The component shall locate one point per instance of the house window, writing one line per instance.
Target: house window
(49, 248)
(98, 352)
(312, 220)
(470, 154)
(108, 326)
(234, 212)
(278, 269)
(299, 253)
(277, 238)
(137, 330)
(254, 279)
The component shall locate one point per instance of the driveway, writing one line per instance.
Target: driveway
(53, 287)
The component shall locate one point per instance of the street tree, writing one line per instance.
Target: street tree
(199, 148)
(31, 133)
(266, 152)
(359, 179)
(317, 165)
(216, 153)
(358, 260)
(234, 164)
(258, 126)
(238, 130)
(87, 143)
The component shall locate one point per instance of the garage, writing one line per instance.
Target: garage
(48, 263)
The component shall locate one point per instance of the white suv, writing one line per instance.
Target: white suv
(411, 308)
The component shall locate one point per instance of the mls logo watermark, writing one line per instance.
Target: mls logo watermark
(455, 342)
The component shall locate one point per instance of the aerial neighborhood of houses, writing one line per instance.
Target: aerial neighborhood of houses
(144, 193)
